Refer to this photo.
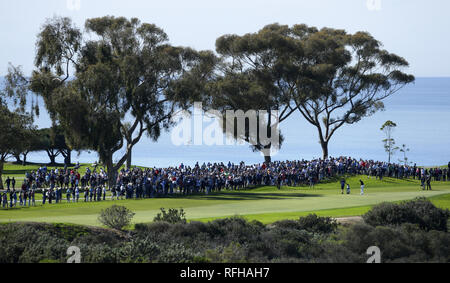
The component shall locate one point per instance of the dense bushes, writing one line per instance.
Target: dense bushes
(404, 243)
(419, 211)
(409, 237)
(37, 242)
(311, 223)
(172, 216)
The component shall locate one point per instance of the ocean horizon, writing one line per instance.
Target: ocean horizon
(420, 110)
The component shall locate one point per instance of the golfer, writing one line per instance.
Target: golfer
(342, 185)
(362, 187)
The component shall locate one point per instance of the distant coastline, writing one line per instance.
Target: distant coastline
(421, 111)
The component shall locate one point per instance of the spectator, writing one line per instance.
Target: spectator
(8, 183)
(210, 177)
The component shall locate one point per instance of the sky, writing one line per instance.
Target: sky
(414, 29)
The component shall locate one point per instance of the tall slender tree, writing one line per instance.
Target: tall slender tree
(389, 142)
(404, 150)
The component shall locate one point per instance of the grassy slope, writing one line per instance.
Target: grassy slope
(265, 204)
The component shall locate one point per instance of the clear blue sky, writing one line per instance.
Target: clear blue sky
(415, 29)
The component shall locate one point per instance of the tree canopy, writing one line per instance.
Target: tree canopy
(15, 130)
(109, 91)
(329, 76)
(120, 79)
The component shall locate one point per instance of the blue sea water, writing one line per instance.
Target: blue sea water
(420, 110)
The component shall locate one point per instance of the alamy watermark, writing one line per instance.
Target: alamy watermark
(375, 254)
(373, 5)
(75, 255)
(256, 127)
(73, 5)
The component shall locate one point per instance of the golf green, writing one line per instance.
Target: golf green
(266, 204)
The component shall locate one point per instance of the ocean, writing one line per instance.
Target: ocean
(420, 110)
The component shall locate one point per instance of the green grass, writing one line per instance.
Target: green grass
(266, 204)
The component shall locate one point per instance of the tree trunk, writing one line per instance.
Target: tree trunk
(268, 159)
(67, 156)
(2, 162)
(24, 158)
(324, 145)
(52, 159)
(52, 155)
(129, 154)
(112, 172)
(17, 156)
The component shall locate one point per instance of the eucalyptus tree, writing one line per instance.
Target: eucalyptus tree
(246, 111)
(53, 142)
(29, 143)
(250, 78)
(110, 89)
(345, 78)
(330, 77)
(16, 124)
(15, 128)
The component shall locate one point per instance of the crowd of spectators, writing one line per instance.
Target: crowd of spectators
(69, 184)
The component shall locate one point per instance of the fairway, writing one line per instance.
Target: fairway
(266, 204)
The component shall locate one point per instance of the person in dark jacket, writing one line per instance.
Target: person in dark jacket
(342, 185)
(429, 183)
(8, 182)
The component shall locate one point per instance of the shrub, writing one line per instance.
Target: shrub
(172, 216)
(316, 224)
(68, 231)
(177, 253)
(28, 243)
(102, 253)
(233, 253)
(234, 229)
(283, 242)
(139, 251)
(420, 211)
(311, 223)
(152, 228)
(116, 217)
